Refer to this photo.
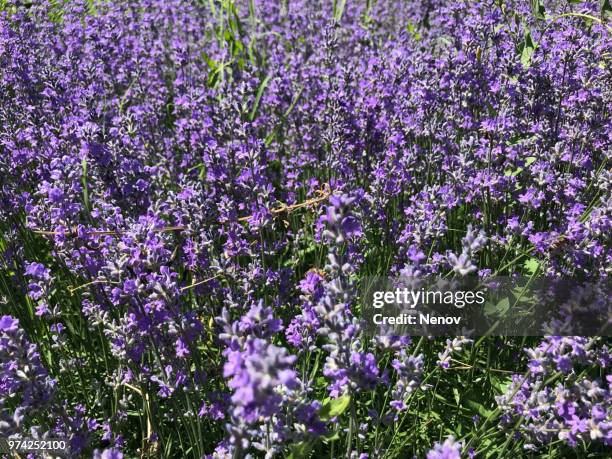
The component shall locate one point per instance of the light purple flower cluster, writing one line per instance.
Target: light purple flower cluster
(450, 449)
(349, 366)
(557, 399)
(452, 346)
(470, 244)
(26, 387)
(29, 403)
(409, 375)
(270, 407)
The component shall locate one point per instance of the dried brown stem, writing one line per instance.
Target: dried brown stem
(195, 284)
(323, 195)
(94, 282)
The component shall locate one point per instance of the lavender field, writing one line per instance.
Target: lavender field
(192, 191)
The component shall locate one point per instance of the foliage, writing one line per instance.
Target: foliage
(191, 190)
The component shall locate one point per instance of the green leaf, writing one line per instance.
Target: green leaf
(260, 92)
(526, 53)
(213, 64)
(216, 70)
(498, 309)
(338, 8)
(320, 382)
(526, 48)
(478, 407)
(500, 383)
(538, 9)
(334, 436)
(333, 407)
(531, 265)
(300, 450)
(513, 173)
(413, 31)
(86, 202)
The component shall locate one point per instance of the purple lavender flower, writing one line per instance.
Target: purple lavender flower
(571, 409)
(25, 385)
(454, 345)
(409, 375)
(450, 449)
(111, 453)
